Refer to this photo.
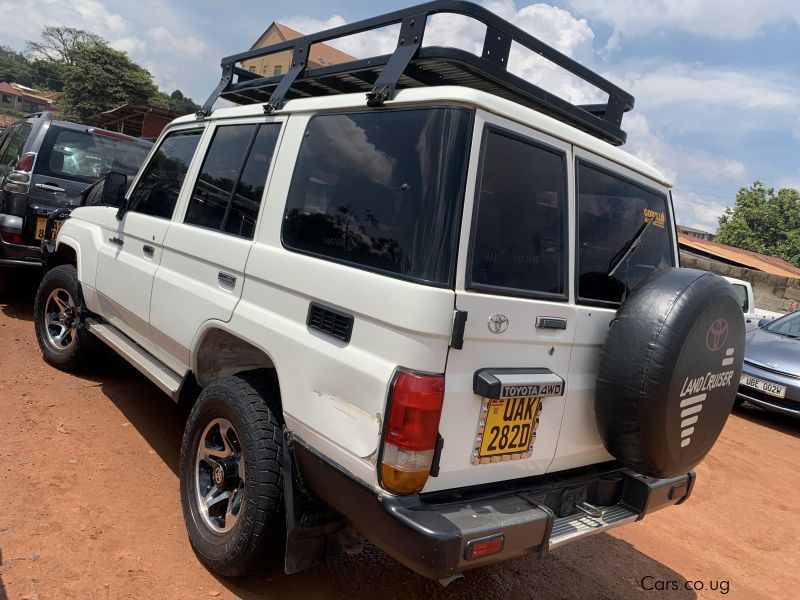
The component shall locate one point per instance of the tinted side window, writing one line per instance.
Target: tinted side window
(741, 294)
(16, 143)
(5, 140)
(381, 190)
(612, 210)
(520, 220)
(157, 190)
(228, 191)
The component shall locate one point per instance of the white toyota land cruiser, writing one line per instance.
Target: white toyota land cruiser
(446, 313)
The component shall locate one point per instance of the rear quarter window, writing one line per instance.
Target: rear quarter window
(381, 191)
(519, 232)
(612, 210)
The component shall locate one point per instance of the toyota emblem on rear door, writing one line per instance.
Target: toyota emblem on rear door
(498, 323)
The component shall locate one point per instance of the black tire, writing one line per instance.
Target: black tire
(73, 356)
(3, 284)
(669, 372)
(257, 538)
(738, 402)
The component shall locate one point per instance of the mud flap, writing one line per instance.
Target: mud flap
(311, 527)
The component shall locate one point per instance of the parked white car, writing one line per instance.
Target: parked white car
(752, 315)
(449, 318)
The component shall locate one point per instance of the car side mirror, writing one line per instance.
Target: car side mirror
(114, 188)
(762, 322)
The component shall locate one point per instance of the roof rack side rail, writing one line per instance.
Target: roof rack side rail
(382, 75)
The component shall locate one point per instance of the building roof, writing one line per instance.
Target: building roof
(322, 54)
(744, 258)
(26, 93)
(134, 110)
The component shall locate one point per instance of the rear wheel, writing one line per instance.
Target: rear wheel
(57, 312)
(231, 477)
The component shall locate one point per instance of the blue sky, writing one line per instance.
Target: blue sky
(717, 84)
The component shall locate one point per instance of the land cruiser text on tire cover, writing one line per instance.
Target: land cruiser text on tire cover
(669, 371)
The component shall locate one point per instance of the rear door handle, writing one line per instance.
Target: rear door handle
(116, 240)
(551, 323)
(226, 279)
(50, 187)
(149, 250)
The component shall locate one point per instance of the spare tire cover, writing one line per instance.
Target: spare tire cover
(669, 371)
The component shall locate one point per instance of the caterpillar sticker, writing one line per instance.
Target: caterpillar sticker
(657, 218)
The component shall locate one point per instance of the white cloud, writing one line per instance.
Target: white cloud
(696, 210)
(167, 42)
(731, 19)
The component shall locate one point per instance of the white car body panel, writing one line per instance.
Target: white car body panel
(752, 315)
(334, 393)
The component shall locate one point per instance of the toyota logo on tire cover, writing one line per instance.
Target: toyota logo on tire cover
(717, 335)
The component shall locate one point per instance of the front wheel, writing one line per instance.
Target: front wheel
(231, 477)
(57, 313)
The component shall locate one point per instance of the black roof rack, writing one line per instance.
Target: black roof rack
(411, 65)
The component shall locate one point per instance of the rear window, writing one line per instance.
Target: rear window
(381, 191)
(83, 156)
(520, 219)
(612, 212)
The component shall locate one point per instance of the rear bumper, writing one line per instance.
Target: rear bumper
(430, 533)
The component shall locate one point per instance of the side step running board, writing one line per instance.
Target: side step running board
(165, 378)
(568, 529)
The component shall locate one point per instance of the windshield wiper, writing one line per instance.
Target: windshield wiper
(630, 246)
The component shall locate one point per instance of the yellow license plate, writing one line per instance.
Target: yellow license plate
(41, 225)
(507, 429)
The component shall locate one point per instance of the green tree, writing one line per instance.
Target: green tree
(764, 220)
(57, 43)
(14, 67)
(99, 78)
(181, 103)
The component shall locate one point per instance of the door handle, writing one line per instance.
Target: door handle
(50, 187)
(226, 279)
(116, 240)
(551, 323)
(148, 249)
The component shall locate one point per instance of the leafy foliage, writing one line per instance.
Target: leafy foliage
(93, 76)
(14, 66)
(58, 43)
(764, 220)
(99, 78)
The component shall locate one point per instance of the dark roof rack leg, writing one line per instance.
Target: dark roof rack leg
(224, 82)
(278, 97)
(408, 43)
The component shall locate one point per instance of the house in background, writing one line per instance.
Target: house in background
(776, 283)
(320, 55)
(698, 234)
(137, 120)
(20, 98)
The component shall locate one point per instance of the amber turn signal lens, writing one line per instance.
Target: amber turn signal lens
(403, 482)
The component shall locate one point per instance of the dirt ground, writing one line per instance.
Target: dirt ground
(89, 508)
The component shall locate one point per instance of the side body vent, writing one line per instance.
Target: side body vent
(330, 321)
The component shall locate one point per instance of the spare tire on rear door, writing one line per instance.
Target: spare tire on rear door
(669, 371)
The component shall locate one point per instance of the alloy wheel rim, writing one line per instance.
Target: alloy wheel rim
(219, 476)
(61, 320)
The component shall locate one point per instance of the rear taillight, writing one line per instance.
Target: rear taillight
(19, 178)
(25, 163)
(11, 238)
(415, 407)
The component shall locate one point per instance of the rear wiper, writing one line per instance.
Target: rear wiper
(628, 249)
